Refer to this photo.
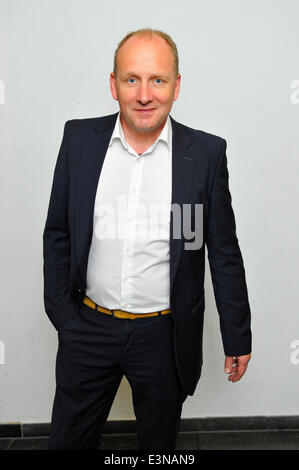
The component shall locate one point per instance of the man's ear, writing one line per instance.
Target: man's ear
(113, 86)
(177, 87)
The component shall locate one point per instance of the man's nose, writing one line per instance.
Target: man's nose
(144, 93)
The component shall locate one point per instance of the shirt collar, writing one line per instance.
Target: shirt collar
(165, 134)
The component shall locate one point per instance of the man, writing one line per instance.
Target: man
(134, 305)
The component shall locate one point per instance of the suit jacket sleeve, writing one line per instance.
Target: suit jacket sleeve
(226, 265)
(56, 240)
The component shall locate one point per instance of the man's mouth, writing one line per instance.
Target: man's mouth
(145, 112)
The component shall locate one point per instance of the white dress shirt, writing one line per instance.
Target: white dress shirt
(128, 263)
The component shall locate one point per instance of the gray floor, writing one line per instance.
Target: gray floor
(203, 440)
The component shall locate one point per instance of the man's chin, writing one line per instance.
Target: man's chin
(147, 126)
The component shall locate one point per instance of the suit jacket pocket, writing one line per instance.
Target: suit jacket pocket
(64, 311)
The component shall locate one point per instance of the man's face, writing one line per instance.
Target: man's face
(146, 84)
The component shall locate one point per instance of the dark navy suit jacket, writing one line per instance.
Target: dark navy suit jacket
(199, 176)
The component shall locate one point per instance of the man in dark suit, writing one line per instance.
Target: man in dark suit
(134, 305)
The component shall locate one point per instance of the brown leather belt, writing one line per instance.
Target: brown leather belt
(122, 313)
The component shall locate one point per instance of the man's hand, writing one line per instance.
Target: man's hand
(236, 366)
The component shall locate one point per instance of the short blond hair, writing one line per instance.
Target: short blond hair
(149, 32)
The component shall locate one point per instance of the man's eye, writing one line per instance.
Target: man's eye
(158, 80)
(131, 80)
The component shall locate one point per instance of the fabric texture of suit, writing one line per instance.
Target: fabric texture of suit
(199, 176)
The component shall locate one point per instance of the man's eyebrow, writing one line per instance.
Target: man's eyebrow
(164, 77)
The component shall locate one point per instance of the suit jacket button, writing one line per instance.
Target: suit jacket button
(76, 293)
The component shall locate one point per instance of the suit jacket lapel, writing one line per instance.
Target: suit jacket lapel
(88, 175)
(182, 173)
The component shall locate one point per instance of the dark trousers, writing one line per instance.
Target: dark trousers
(95, 351)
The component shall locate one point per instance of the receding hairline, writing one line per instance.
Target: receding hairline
(148, 33)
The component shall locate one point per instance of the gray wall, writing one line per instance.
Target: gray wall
(239, 62)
